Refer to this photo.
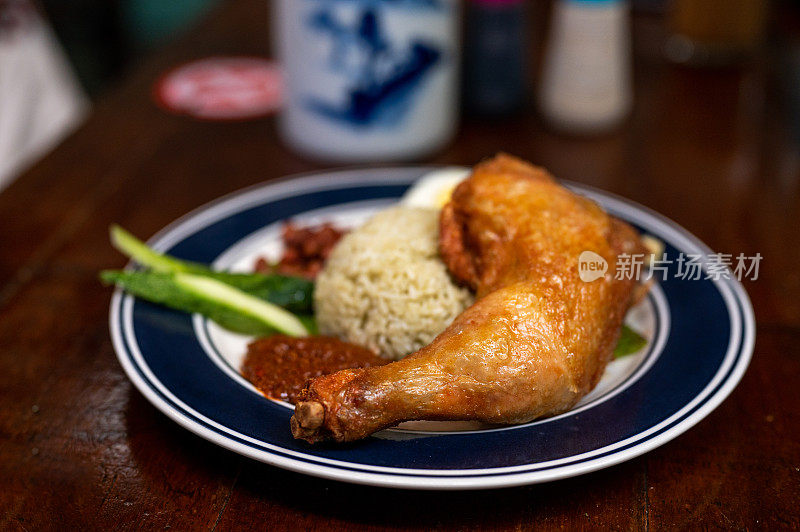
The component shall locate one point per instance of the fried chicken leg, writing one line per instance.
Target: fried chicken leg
(535, 341)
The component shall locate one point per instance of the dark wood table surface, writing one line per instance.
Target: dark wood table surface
(81, 448)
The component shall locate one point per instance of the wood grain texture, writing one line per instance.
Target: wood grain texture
(80, 448)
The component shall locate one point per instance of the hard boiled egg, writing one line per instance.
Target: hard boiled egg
(433, 190)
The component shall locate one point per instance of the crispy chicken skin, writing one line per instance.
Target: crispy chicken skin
(535, 341)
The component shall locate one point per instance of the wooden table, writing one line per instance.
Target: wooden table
(81, 448)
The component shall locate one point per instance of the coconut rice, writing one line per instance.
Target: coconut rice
(385, 287)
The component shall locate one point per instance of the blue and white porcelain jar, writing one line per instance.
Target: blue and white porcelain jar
(368, 80)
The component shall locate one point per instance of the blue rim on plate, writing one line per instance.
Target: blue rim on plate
(704, 341)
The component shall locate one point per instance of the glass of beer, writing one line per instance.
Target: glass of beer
(715, 32)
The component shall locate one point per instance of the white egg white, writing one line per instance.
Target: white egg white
(433, 190)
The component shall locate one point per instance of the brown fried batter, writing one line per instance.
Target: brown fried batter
(537, 338)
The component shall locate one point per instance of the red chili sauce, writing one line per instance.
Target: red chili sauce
(279, 365)
(305, 250)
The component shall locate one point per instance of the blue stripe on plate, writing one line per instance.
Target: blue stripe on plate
(466, 473)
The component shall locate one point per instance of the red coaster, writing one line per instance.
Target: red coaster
(222, 88)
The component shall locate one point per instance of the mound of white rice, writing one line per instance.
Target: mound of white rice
(385, 287)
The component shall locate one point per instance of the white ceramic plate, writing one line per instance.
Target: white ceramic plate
(700, 339)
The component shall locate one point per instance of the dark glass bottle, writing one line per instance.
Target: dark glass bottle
(495, 57)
